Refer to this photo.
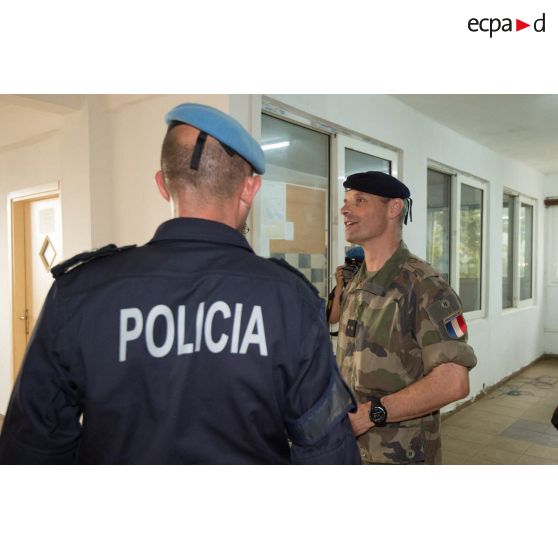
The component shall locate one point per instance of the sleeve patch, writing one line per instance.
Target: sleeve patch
(440, 310)
(456, 328)
(447, 314)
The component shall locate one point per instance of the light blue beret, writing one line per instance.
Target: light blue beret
(355, 252)
(223, 128)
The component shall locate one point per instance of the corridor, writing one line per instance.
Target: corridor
(510, 424)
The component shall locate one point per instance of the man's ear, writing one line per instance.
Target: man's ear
(250, 188)
(396, 207)
(162, 186)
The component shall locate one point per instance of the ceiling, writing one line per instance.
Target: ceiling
(522, 127)
(27, 118)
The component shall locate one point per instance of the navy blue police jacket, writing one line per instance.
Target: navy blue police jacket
(189, 349)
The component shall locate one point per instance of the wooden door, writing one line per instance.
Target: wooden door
(37, 247)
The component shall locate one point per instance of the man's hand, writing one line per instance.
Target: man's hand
(339, 276)
(360, 419)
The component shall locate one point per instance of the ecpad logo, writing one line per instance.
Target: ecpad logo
(493, 25)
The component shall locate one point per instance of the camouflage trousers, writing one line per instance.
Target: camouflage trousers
(412, 442)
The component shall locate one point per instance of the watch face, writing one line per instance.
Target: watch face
(378, 415)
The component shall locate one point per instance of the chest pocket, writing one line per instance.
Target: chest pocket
(377, 318)
(375, 350)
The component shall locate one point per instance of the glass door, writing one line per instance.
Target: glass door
(353, 156)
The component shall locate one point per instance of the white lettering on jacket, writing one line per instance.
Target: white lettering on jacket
(218, 329)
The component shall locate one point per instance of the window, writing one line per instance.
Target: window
(518, 214)
(552, 243)
(470, 247)
(292, 216)
(526, 252)
(456, 224)
(439, 222)
(507, 250)
(296, 213)
(355, 161)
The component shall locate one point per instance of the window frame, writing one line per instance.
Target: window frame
(302, 121)
(519, 200)
(340, 143)
(451, 258)
(340, 137)
(514, 251)
(458, 178)
(552, 244)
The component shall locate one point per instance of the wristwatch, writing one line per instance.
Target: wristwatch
(378, 413)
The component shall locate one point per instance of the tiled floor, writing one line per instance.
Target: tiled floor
(510, 425)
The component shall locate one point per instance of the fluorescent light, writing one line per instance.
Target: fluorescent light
(277, 145)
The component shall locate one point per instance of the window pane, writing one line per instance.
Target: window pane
(507, 250)
(552, 213)
(526, 252)
(355, 161)
(470, 249)
(293, 216)
(438, 222)
(294, 153)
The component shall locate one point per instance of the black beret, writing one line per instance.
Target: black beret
(379, 183)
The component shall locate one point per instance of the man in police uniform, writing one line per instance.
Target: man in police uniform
(190, 349)
(402, 343)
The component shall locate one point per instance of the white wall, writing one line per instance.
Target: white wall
(503, 341)
(56, 150)
(20, 168)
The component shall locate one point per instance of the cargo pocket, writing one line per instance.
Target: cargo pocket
(404, 443)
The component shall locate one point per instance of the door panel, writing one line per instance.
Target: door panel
(43, 250)
(36, 248)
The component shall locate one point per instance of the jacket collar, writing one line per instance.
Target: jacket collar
(381, 281)
(187, 228)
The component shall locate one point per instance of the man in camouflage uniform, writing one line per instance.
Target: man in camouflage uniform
(402, 343)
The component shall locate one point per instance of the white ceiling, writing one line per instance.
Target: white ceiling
(523, 127)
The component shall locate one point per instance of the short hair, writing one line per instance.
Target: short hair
(219, 174)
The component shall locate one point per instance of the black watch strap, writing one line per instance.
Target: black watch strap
(378, 413)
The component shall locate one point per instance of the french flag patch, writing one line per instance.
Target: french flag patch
(456, 327)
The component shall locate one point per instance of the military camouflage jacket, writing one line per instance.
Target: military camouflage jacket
(395, 327)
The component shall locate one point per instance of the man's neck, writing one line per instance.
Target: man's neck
(219, 213)
(378, 251)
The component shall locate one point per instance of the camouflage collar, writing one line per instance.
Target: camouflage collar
(382, 280)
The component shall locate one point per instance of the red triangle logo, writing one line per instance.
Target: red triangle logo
(519, 25)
